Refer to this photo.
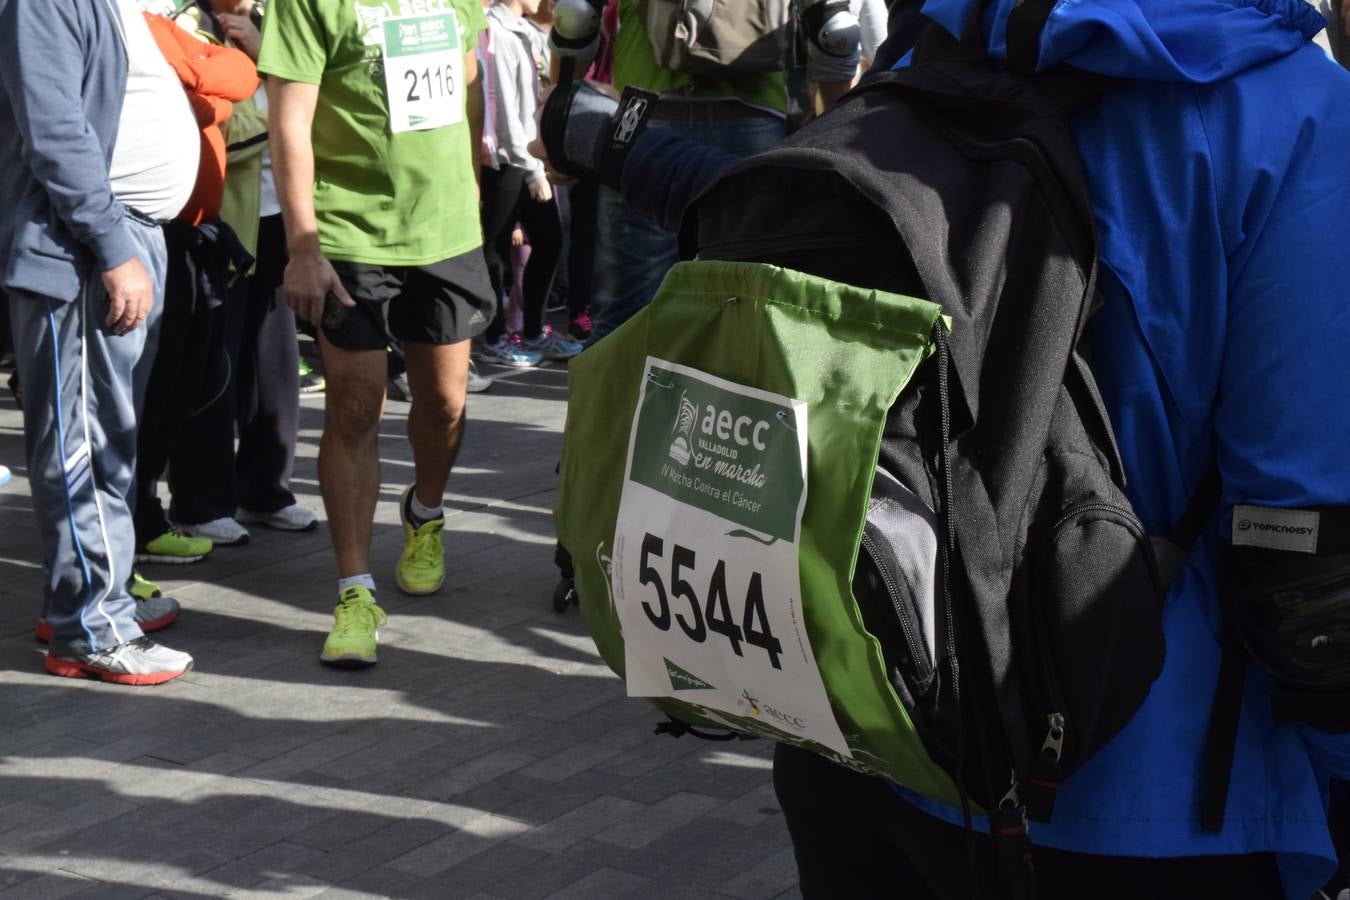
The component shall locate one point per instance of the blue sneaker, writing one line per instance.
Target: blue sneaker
(551, 345)
(4, 475)
(507, 351)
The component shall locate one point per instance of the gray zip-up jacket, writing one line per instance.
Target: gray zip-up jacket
(516, 80)
(63, 73)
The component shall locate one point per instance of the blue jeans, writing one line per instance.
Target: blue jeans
(632, 252)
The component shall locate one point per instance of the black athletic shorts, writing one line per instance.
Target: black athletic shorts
(442, 303)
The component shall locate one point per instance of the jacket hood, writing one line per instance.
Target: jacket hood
(509, 20)
(1197, 41)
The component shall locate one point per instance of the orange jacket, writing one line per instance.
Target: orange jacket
(214, 77)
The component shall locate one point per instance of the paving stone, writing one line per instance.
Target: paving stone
(652, 823)
(705, 853)
(311, 755)
(385, 882)
(80, 816)
(376, 849)
(473, 773)
(442, 853)
(610, 883)
(561, 870)
(10, 877)
(770, 878)
(574, 759)
(154, 865)
(102, 890)
(750, 809)
(270, 864)
(21, 814)
(481, 871)
(50, 887)
(287, 888)
(594, 817)
(546, 801)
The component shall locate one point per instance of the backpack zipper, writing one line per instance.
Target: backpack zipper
(917, 652)
(1012, 835)
(1047, 771)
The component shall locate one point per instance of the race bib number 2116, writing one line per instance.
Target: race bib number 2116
(706, 549)
(423, 71)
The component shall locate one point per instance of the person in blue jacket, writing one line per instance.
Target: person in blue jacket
(1222, 207)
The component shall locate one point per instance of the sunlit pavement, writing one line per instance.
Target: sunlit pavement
(490, 754)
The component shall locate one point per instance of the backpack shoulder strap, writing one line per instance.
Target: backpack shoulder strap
(1221, 740)
(1171, 550)
(1025, 24)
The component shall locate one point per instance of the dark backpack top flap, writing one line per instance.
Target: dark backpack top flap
(953, 172)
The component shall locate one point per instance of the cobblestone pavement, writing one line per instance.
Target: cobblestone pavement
(490, 754)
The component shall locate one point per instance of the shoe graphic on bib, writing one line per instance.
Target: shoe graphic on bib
(356, 629)
(421, 568)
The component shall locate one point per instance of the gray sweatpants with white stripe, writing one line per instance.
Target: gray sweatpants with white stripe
(83, 387)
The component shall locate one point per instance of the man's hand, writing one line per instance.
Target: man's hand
(241, 30)
(131, 296)
(539, 189)
(308, 281)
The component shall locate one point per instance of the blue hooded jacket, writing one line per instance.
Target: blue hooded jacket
(1222, 204)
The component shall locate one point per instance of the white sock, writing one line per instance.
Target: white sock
(364, 580)
(424, 513)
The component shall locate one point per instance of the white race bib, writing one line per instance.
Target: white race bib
(423, 71)
(705, 565)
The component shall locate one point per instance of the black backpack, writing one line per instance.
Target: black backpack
(1016, 596)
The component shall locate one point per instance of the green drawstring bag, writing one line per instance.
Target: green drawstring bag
(717, 467)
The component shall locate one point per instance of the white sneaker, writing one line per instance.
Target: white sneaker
(223, 532)
(477, 383)
(5, 476)
(141, 661)
(289, 518)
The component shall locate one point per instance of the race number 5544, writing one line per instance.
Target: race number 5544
(676, 599)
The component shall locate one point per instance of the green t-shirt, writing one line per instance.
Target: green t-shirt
(380, 198)
(635, 64)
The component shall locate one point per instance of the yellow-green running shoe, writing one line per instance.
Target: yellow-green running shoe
(175, 548)
(143, 589)
(311, 381)
(356, 629)
(421, 568)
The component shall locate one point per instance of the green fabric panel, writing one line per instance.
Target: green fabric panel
(243, 173)
(847, 352)
(635, 64)
(407, 199)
